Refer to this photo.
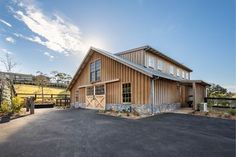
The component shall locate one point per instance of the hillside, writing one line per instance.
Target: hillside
(21, 88)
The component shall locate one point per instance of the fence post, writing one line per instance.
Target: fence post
(65, 100)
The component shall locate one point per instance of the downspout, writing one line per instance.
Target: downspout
(153, 92)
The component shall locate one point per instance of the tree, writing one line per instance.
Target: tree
(8, 62)
(218, 91)
(42, 81)
(60, 77)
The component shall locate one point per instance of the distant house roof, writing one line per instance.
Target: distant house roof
(150, 49)
(146, 71)
(12, 73)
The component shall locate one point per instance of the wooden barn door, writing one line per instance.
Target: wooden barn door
(96, 97)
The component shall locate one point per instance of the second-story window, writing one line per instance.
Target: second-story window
(187, 76)
(95, 71)
(151, 62)
(171, 70)
(183, 74)
(160, 65)
(178, 72)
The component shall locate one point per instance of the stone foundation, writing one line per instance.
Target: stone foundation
(78, 105)
(142, 109)
(118, 107)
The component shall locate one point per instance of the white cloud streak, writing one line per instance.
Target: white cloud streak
(53, 32)
(5, 22)
(4, 51)
(10, 39)
(51, 57)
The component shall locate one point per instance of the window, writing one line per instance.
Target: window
(95, 71)
(126, 92)
(99, 90)
(171, 70)
(76, 96)
(160, 65)
(187, 76)
(151, 62)
(90, 91)
(178, 72)
(183, 74)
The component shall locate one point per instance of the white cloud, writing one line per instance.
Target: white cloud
(51, 57)
(4, 51)
(5, 22)
(10, 39)
(52, 31)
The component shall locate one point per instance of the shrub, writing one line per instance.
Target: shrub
(226, 115)
(5, 107)
(17, 104)
(210, 104)
(232, 112)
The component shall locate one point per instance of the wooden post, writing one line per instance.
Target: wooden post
(65, 100)
(194, 96)
(31, 100)
(27, 104)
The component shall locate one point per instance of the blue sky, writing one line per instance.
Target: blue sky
(55, 35)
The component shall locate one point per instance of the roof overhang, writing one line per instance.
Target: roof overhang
(190, 82)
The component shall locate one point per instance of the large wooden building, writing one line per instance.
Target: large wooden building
(141, 79)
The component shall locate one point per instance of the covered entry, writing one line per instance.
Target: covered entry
(195, 92)
(95, 97)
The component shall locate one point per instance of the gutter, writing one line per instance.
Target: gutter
(153, 92)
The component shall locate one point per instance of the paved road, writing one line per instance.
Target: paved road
(84, 133)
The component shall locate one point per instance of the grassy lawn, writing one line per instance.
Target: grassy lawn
(21, 88)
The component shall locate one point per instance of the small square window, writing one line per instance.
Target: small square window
(90, 90)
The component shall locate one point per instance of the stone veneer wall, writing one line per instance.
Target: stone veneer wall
(145, 109)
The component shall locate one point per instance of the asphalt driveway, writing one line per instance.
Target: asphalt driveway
(72, 133)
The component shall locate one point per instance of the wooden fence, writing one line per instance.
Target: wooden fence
(57, 99)
(221, 102)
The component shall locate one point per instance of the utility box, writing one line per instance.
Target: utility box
(205, 107)
(202, 107)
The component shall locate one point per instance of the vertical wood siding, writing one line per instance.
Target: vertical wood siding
(200, 94)
(136, 57)
(166, 92)
(110, 70)
(141, 57)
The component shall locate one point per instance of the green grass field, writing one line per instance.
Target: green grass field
(31, 89)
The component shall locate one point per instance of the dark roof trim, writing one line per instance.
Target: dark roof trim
(150, 49)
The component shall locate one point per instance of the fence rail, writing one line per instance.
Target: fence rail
(58, 99)
(221, 102)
